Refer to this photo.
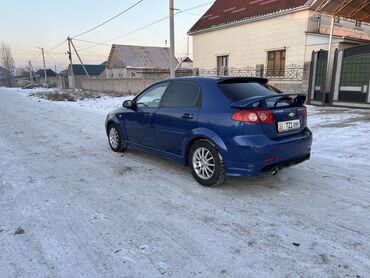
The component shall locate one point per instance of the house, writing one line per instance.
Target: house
(94, 71)
(186, 62)
(4, 77)
(268, 38)
(20, 77)
(50, 74)
(130, 61)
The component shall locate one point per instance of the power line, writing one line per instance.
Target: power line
(158, 21)
(104, 43)
(58, 45)
(105, 22)
(91, 42)
(55, 47)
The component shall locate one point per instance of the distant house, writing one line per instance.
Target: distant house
(94, 71)
(20, 77)
(186, 63)
(272, 37)
(130, 61)
(3, 77)
(50, 74)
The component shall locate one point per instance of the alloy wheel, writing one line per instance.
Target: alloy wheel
(203, 163)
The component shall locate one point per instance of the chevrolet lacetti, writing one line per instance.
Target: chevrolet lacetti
(219, 127)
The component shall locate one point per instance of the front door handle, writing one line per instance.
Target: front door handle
(188, 116)
(148, 115)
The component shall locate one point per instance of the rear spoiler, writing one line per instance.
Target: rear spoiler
(298, 100)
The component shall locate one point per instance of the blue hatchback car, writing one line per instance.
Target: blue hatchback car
(218, 127)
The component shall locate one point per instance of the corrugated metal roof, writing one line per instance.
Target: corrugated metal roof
(91, 69)
(132, 56)
(224, 12)
(49, 73)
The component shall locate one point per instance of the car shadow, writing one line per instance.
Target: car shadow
(286, 180)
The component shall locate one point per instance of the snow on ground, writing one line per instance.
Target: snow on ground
(84, 211)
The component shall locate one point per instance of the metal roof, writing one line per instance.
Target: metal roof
(351, 9)
(91, 69)
(49, 73)
(224, 12)
(131, 56)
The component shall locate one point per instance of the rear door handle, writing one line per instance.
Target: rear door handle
(148, 115)
(188, 116)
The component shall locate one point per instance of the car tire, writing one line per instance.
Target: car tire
(114, 139)
(206, 163)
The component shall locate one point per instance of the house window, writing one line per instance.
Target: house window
(276, 63)
(120, 75)
(222, 65)
(336, 19)
(358, 23)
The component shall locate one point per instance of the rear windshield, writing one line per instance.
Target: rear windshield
(239, 91)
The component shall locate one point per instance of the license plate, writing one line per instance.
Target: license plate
(289, 125)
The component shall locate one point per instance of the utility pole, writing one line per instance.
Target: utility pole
(70, 63)
(172, 40)
(43, 60)
(329, 64)
(30, 70)
(79, 58)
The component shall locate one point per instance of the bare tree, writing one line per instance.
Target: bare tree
(7, 62)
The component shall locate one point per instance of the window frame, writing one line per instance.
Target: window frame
(198, 100)
(146, 91)
(271, 72)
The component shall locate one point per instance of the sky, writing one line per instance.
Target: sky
(28, 25)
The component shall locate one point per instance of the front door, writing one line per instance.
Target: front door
(177, 116)
(139, 124)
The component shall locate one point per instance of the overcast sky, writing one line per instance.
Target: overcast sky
(26, 25)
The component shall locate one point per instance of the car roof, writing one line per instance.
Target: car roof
(223, 79)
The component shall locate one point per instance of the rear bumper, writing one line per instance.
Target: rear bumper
(248, 156)
(287, 163)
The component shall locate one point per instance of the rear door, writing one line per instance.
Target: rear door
(139, 124)
(177, 115)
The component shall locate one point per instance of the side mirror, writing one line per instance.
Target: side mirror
(128, 104)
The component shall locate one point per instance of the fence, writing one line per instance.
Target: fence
(291, 72)
(125, 85)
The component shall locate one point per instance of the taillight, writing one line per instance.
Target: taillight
(305, 111)
(253, 116)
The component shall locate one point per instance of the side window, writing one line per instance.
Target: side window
(152, 97)
(182, 94)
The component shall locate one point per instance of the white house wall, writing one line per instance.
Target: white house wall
(248, 44)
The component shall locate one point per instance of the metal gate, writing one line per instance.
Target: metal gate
(318, 75)
(352, 75)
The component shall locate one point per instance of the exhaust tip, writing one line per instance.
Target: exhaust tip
(274, 171)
